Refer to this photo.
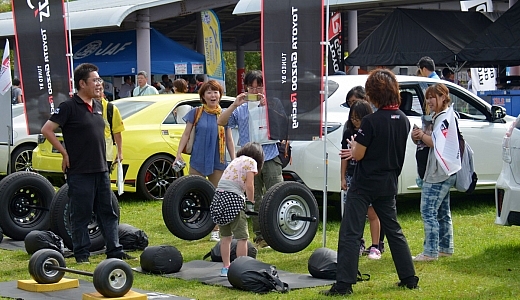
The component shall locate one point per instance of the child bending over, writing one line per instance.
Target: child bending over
(227, 207)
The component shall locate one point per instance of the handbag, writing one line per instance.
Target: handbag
(189, 145)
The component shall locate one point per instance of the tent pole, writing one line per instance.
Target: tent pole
(70, 54)
(326, 96)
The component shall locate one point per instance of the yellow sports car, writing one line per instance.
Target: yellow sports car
(153, 128)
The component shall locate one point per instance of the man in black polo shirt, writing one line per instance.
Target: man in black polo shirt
(84, 163)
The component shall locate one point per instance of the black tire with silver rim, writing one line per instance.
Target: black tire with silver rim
(288, 217)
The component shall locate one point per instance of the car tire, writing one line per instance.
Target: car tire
(21, 158)
(280, 203)
(25, 198)
(185, 207)
(155, 176)
(60, 220)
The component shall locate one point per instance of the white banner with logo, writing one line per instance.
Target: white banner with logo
(482, 79)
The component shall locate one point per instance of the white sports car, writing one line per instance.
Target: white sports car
(21, 150)
(481, 124)
(507, 191)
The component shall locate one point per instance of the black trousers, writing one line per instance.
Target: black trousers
(351, 231)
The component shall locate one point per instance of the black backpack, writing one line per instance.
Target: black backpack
(249, 274)
(217, 257)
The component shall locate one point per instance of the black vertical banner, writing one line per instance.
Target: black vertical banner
(41, 42)
(292, 58)
(335, 49)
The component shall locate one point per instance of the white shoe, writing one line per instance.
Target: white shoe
(215, 236)
(423, 257)
(374, 253)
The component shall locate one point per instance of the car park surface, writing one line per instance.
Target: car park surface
(153, 128)
(482, 126)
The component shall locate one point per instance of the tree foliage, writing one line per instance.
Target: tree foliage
(252, 61)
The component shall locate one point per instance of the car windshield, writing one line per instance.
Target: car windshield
(128, 108)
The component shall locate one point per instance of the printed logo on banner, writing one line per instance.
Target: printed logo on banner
(94, 47)
(42, 10)
(292, 57)
(41, 41)
(335, 43)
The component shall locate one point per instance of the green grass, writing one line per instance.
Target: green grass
(485, 264)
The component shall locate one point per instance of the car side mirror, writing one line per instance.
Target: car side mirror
(497, 112)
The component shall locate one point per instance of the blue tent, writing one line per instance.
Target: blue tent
(115, 53)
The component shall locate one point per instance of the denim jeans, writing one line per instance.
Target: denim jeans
(91, 193)
(351, 231)
(270, 175)
(436, 215)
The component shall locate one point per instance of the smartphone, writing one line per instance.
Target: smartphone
(415, 126)
(253, 97)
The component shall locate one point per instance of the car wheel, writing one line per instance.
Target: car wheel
(155, 176)
(21, 158)
(185, 207)
(60, 220)
(25, 198)
(288, 217)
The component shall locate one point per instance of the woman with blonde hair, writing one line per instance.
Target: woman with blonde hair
(435, 195)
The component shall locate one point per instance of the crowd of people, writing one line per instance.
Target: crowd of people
(374, 124)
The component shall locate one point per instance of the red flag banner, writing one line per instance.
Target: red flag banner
(292, 58)
(41, 42)
(335, 49)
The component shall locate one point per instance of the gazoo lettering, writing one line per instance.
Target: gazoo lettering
(112, 49)
(43, 9)
(294, 68)
(294, 110)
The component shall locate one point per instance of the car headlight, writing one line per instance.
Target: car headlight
(506, 149)
(331, 127)
(41, 139)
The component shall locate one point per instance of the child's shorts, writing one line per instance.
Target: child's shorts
(237, 228)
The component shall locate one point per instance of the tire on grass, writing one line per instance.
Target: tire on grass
(185, 207)
(25, 198)
(280, 205)
(60, 220)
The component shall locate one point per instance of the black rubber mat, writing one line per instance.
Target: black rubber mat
(10, 244)
(9, 289)
(209, 273)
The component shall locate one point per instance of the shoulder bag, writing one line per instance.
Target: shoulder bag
(189, 145)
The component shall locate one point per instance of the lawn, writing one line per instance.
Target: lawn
(484, 266)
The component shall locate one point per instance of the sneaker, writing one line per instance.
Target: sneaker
(262, 244)
(444, 254)
(223, 272)
(125, 256)
(215, 236)
(374, 253)
(423, 257)
(83, 260)
(335, 291)
(409, 282)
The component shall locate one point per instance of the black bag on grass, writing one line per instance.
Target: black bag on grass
(161, 259)
(132, 238)
(217, 257)
(37, 239)
(323, 263)
(249, 274)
